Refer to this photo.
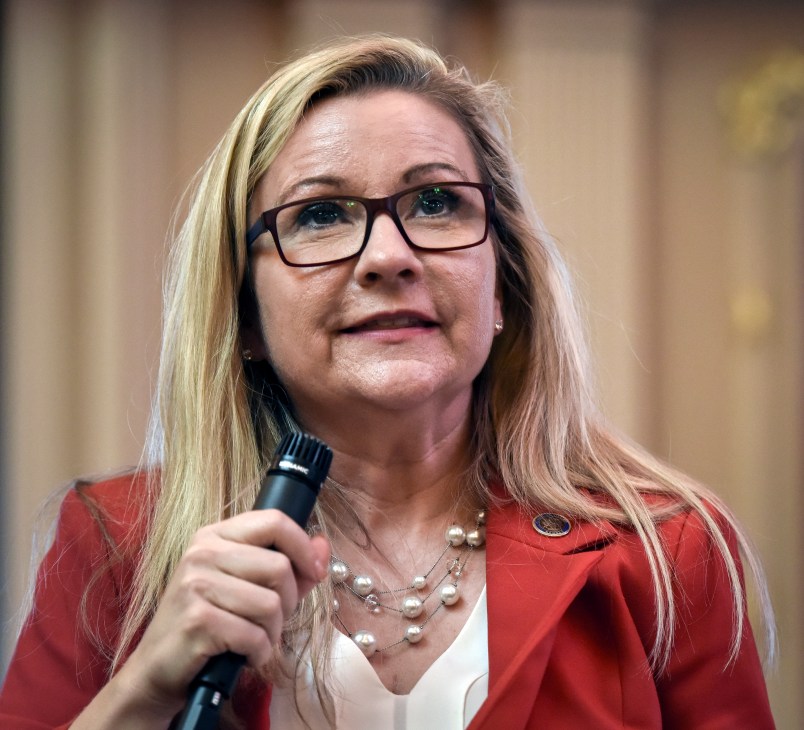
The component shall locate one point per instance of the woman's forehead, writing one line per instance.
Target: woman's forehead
(372, 144)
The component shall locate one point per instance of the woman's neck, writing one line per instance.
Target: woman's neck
(415, 475)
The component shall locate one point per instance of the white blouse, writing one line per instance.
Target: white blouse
(446, 697)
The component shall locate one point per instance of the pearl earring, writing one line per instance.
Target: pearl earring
(498, 326)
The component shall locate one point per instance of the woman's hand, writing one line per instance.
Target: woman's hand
(228, 593)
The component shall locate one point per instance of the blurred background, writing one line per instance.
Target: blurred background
(663, 142)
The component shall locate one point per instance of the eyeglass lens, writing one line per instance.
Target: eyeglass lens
(433, 217)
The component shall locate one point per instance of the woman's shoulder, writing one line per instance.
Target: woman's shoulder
(699, 546)
(116, 508)
(691, 537)
(687, 535)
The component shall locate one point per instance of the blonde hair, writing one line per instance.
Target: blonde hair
(539, 433)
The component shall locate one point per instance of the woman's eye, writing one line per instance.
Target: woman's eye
(435, 201)
(322, 214)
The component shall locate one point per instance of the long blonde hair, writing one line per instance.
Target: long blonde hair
(217, 421)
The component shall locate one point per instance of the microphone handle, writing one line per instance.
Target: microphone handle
(214, 684)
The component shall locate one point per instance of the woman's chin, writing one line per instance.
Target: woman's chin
(396, 388)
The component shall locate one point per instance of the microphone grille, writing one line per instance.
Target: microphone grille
(305, 449)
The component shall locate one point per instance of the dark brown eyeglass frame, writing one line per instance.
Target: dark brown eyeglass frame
(267, 220)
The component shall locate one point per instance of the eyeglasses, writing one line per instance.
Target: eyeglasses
(326, 230)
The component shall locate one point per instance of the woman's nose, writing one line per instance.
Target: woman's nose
(387, 256)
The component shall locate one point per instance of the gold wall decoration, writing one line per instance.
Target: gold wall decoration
(764, 108)
(751, 313)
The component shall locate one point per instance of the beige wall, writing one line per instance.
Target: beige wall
(731, 269)
(679, 244)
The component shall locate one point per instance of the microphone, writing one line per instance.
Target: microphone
(298, 469)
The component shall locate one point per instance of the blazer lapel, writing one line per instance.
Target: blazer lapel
(531, 579)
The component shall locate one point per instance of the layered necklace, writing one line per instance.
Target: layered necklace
(411, 601)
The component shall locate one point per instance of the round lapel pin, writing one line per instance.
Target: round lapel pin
(550, 524)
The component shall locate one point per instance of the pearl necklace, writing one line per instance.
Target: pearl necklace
(412, 605)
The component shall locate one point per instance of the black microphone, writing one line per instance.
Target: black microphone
(298, 470)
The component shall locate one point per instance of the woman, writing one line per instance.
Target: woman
(361, 261)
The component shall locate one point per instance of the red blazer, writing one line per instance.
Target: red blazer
(571, 621)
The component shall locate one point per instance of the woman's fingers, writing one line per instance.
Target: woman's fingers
(271, 529)
(208, 630)
(291, 566)
(228, 565)
(229, 593)
(243, 581)
(322, 553)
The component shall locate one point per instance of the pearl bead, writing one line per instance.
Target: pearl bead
(481, 517)
(449, 594)
(338, 571)
(336, 605)
(365, 641)
(372, 603)
(475, 538)
(412, 607)
(413, 634)
(455, 535)
(419, 582)
(362, 585)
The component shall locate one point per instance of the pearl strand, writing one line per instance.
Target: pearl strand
(412, 606)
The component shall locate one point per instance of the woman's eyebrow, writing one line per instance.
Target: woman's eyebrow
(297, 190)
(303, 187)
(413, 173)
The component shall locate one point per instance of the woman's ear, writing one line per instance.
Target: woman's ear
(251, 338)
(252, 341)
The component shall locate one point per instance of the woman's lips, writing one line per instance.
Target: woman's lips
(390, 323)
